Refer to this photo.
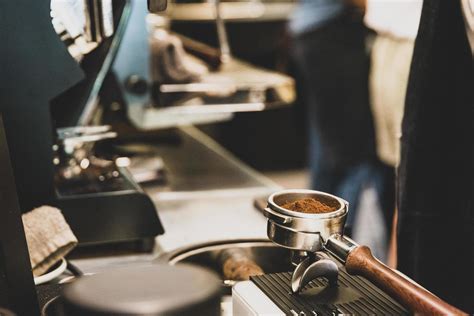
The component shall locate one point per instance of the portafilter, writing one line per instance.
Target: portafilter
(310, 235)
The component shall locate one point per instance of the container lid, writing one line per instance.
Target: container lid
(153, 290)
(6, 312)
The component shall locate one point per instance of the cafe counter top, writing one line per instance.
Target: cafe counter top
(208, 196)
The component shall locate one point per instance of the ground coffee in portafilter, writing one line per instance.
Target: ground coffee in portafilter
(310, 206)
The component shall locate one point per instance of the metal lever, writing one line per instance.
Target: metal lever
(222, 33)
(72, 138)
(88, 138)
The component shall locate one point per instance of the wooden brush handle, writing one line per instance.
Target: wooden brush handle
(238, 265)
(418, 300)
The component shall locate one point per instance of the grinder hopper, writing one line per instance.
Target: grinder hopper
(308, 234)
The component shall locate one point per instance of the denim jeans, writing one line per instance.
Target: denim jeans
(334, 66)
(349, 183)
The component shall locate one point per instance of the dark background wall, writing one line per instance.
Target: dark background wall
(269, 140)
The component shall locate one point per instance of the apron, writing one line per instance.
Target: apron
(436, 172)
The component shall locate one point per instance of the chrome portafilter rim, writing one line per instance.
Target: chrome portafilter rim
(281, 197)
(323, 224)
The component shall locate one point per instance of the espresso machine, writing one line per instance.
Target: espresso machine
(332, 274)
(51, 128)
(99, 196)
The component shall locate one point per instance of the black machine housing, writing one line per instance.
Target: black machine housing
(56, 91)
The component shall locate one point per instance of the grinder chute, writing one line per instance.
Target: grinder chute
(309, 235)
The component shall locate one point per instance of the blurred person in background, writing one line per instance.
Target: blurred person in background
(395, 24)
(436, 170)
(328, 39)
(422, 96)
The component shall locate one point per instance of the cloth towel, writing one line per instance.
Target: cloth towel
(48, 236)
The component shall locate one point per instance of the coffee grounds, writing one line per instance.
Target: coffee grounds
(309, 205)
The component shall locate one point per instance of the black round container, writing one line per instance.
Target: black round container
(154, 290)
(6, 312)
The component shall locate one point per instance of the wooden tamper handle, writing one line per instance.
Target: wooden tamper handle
(418, 300)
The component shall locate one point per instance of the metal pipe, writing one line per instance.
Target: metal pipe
(222, 33)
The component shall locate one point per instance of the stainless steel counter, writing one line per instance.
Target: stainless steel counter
(209, 197)
(212, 194)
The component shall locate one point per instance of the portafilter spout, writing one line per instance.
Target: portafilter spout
(312, 233)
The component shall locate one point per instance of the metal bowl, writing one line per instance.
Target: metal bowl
(267, 255)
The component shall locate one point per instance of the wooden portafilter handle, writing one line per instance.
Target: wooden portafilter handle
(360, 261)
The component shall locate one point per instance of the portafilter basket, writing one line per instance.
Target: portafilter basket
(304, 231)
(308, 234)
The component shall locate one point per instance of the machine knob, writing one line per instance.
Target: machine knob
(136, 84)
(155, 6)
